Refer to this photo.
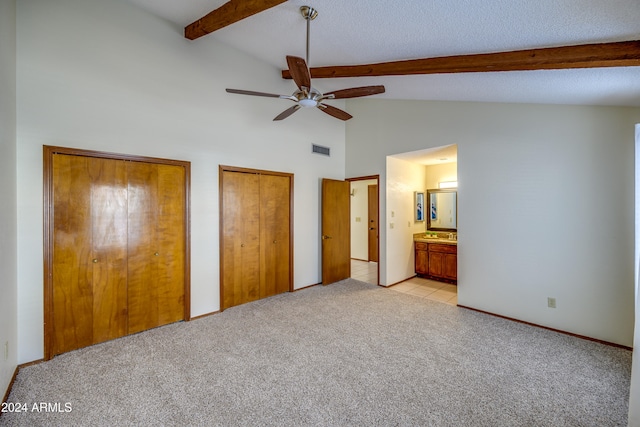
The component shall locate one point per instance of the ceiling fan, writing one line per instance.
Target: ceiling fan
(307, 96)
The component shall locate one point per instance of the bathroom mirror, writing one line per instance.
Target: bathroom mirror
(442, 211)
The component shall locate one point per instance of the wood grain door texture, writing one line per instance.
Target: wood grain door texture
(155, 245)
(89, 251)
(372, 214)
(240, 238)
(116, 247)
(274, 234)
(336, 231)
(256, 237)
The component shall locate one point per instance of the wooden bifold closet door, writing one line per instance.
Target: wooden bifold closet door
(256, 236)
(116, 245)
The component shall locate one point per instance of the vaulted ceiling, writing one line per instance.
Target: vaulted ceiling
(358, 32)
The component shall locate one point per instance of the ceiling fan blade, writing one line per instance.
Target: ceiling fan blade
(299, 72)
(286, 113)
(253, 93)
(335, 112)
(355, 92)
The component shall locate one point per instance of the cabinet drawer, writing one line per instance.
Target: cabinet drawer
(449, 249)
(421, 246)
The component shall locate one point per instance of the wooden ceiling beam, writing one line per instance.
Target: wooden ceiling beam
(617, 54)
(227, 14)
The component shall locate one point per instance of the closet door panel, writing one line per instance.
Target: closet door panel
(142, 261)
(240, 238)
(72, 269)
(274, 231)
(170, 243)
(109, 240)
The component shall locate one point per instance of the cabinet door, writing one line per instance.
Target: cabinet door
(89, 251)
(240, 238)
(436, 260)
(274, 234)
(155, 244)
(422, 261)
(450, 266)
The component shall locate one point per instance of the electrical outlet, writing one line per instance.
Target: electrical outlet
(551, 302)
(6, 350)
(358, 219)
(391, 225)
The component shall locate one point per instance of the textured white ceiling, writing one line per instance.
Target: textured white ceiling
(365, 31)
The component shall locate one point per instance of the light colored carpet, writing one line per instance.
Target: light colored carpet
(347, 354)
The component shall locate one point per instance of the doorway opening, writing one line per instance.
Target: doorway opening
(427, 267)
(364, 218)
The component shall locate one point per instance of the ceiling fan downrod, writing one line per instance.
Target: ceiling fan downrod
(309, 14)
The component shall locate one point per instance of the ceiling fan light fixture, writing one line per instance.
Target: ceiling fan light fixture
(308, 103)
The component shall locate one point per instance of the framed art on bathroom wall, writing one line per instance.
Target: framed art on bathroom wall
(418, 204)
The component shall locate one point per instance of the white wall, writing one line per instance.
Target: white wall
(634, 398)
(444, 172)
(513, 162)
(403, 178)
(103, 75)
(360, 209)
(8, 220)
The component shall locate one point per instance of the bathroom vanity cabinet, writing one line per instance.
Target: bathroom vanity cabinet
(437, 261)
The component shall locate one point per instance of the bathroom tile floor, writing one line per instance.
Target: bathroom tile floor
(417, 286)
(364, 271)
(429, 289)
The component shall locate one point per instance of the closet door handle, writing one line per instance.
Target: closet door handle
(325, 237)
(157, 254)
(95, 260)
(242, 245)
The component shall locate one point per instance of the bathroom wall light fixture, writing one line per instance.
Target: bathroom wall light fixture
(448, 184)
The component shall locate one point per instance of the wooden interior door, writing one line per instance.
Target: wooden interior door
(240, 238)
(88, 266)
(373, 222)
(275, 211)
(336, 231)
(155, 245)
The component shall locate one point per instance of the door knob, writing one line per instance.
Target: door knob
(372, 228)
(242, 245)
(275, 241)
(325, 237)
(95, 260)
(157, 254)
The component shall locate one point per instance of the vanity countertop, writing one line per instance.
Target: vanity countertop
(432, 239)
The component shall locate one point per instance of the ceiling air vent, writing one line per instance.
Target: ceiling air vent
(319, 149)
